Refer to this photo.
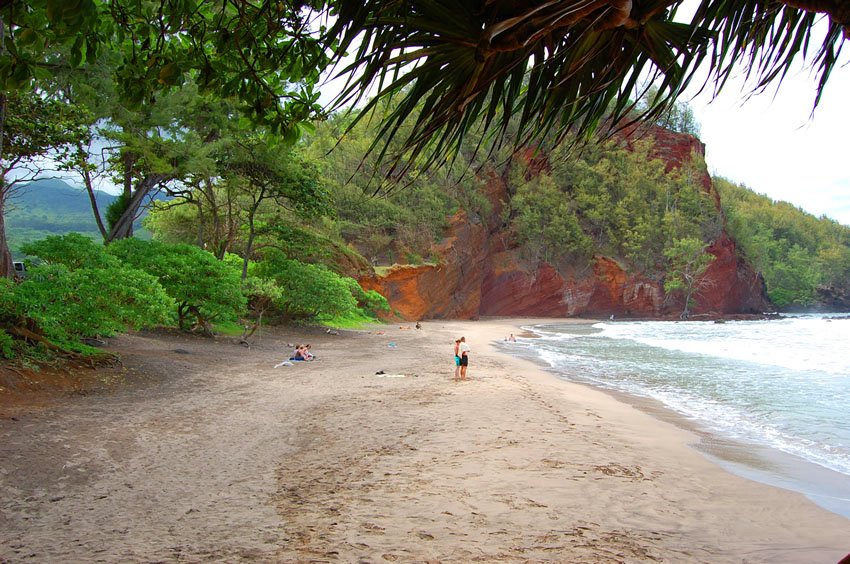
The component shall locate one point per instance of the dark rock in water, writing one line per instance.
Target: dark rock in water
(833, 298)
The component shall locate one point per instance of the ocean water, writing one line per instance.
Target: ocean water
(778, 390)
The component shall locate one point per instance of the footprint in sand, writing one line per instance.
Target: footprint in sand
(634, 474)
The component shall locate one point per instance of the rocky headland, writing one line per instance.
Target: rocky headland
(483, 273)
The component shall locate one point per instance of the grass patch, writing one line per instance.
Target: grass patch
(351, 321)
(228, 328)
(383, 270)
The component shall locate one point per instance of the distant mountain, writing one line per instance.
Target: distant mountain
(57, 195)
(51, 207)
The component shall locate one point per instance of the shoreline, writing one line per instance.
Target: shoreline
(749, 460)
(717, 452)
(372, 453)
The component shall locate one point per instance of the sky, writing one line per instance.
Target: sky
(773, 144)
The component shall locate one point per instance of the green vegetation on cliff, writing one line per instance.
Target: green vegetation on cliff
(614, 201)
(805, 260)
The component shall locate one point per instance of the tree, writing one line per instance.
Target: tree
(266, 56)
(678, 116)
(262, 169)
(803, 259)
(240, 177)
(556, 65)
(153, 150)
(264, 53)
(546, 223)
(686, 274)
(35, 129)
(562, 65)
(77, 291)
(208, 126)
(202, 287)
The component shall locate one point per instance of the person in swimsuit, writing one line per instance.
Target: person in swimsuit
(457, 359)
(463, 349)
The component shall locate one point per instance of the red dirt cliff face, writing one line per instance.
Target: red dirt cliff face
(482, 275)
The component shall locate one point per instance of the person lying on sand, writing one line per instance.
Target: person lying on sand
(297, 354)
(302, 352)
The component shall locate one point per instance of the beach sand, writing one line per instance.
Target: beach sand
(208, 452)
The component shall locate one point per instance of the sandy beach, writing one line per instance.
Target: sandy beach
(203, 450)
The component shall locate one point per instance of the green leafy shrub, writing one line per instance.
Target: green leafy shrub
(370, 302)
(69, 304)
(57, 306)
(308, 290)
(72, 250)
(203, 287)
(79, 290)
(7, 345)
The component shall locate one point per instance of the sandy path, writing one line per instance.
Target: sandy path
(229, 459)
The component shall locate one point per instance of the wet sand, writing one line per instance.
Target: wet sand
(207, 452)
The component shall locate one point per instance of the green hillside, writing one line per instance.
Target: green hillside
(53, 207)
(805, 260)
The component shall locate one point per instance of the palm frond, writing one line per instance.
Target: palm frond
(765, 37)
(549, 66)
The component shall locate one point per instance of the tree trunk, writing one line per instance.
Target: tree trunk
(123, 228)
(181, 316)
(92, 199)
(232, 228)
(7, 268)
(201, 224)
(251, 232)
(248, 247)
(129, 158)
(250, 328)
(202, 322)
(2, 112)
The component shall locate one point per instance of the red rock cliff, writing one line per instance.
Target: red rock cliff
(481, 274)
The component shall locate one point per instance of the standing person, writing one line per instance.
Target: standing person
(457, 358)
(464, 357)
